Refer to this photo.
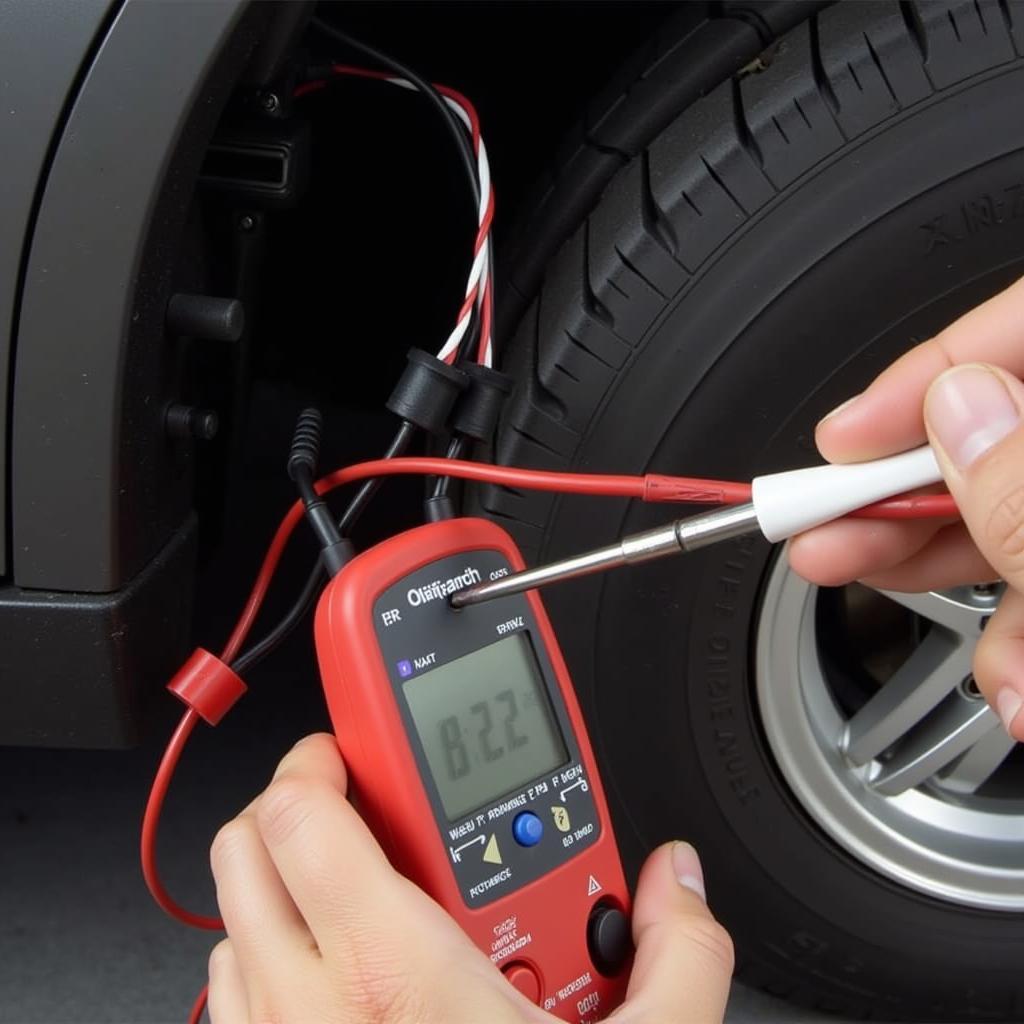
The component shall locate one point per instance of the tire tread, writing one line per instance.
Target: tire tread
(665, 211)
(676, 198)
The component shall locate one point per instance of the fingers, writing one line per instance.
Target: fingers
(316, 757)
(325, 855)
(268, 933)
(999, 662)
(260, 909)
(227, 1001)
(315, 912)
(886, 417)
(849, 548)
(368, 921)
(974, 419)
(270, 938)
(949, 559)
(890, 559)
(684, 958)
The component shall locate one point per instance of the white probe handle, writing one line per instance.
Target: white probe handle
(789, 503)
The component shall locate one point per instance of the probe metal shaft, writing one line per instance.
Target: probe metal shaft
(683, 535)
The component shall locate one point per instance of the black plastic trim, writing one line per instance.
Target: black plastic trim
(96, 490)
(77, 670)
(41, 51)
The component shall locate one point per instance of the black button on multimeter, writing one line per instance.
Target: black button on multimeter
(608, 938)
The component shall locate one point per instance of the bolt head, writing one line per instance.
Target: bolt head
(205, 426)
(969, 687)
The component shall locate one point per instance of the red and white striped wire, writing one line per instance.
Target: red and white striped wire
(479, 294)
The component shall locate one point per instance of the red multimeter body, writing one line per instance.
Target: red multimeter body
(471, 763)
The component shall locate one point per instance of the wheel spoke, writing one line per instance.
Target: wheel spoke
(925, 728)
(975, 767)
(921, 682)
(954, 728)
(954, 615)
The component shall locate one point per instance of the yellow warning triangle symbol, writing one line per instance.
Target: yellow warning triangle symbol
(491, 852)
(593, 886)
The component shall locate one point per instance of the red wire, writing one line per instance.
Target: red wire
(196, 1013)
(467, 106)
(485, 323)
(263, 578)
(469, 302)
(356, 72)
(917, 506)
(488, 218)
(485, 224)
(307, 87)
(651, 488)
(453, 94)
(151, 820)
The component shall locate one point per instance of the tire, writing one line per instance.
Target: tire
(757, 261)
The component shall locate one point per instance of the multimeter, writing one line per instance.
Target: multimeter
(470, 761)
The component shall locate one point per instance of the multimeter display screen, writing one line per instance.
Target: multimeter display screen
(485, 723)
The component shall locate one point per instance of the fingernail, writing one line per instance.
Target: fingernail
(838, 409)
(969, 410)
(1008, 703)
(686, 865)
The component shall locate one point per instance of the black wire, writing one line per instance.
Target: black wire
(317, 577)
(455, 449)
(298, 611)
(452, 123)
(399, 443)
(469, 339)
(454, 126)
(492, 273)
(304, 602)
(303, 480)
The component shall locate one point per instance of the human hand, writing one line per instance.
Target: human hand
(322, 928)
(961, 391)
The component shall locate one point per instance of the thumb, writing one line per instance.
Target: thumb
(684, 957)
(974, 417)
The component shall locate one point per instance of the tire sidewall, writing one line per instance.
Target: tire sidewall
(729, 382)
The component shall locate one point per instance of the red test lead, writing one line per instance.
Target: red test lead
(783, 504)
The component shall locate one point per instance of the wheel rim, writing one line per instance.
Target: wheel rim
(916, 778)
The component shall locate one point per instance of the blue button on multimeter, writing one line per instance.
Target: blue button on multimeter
(527, 829)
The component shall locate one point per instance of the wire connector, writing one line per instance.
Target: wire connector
(207, 685)
(336, 551)
(478, 409)
(438, 507)
(304, 455)
(426, 391)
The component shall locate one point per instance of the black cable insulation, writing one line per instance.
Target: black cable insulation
(436, 99)
(364, 495)
(318, 577)
(455, 449)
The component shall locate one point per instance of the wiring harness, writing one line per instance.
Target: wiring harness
(479, 293)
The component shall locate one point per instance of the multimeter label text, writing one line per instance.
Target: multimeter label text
(509, 939)
(442, 588)
(488, 726)
(489, 883)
